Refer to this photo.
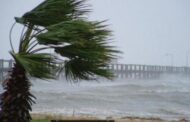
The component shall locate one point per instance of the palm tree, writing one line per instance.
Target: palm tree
(59, 25)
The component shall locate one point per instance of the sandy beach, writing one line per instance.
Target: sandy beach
(123, 119)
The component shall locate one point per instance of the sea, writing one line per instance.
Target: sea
(166, 98)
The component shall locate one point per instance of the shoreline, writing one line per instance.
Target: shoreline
(87, 117)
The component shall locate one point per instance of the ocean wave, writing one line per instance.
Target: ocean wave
(102, 113)
(142, 98)
(182, 90)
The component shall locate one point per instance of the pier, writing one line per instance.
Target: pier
(127, 71)
(135, 71)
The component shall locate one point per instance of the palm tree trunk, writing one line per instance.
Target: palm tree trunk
(16, 100)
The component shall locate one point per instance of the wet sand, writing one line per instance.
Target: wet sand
(123, 119)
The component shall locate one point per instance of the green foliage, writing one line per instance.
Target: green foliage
(85, 44)
(75, 31)
(63, 28)
(41, 65)
(87, 70)
(54, 11)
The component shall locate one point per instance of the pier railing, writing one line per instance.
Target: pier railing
(136, 71)
(130, 71)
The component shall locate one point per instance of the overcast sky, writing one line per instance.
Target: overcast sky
(145, 30)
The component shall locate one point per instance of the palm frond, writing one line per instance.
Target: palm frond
(79, 69)
(52, 12)
(87, 61)
(76, 31)
(93, 52)
(84, 43)
(41, 65)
